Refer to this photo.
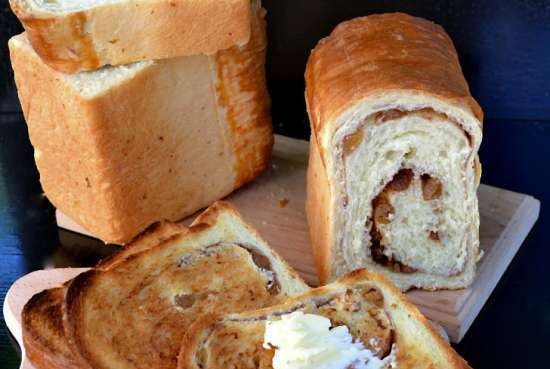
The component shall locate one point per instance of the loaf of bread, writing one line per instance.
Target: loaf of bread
(44, 339)
(76, 35)
(122, 147)
(393, 167)
(377, 316)
(135, 313)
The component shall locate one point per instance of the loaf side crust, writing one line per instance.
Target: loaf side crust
(243, 99)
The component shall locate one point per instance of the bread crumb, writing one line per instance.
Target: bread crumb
(283, 202)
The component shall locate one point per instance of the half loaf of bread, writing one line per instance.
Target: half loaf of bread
(122, 147)
(134, 314)
(77, 35)
(393, 167)
(375, 312)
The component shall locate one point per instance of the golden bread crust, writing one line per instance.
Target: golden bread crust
(150, 237)
(317, 211)
(368, 55)
(244, 101)
(83, 39)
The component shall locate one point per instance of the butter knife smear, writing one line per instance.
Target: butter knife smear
(305, 341)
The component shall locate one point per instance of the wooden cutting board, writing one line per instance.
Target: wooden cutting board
(274, 204)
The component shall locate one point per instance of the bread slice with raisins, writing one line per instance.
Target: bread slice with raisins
(44, 339)
(368, 304)
(134, 315)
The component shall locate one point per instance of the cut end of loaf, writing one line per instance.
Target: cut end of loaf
(397, 133)
(410, 177)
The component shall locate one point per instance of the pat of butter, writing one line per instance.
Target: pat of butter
(305, 341)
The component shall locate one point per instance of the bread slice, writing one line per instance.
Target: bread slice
(46, 345)
(73, 36)
(122, 147)
(134, 315)
(393, 168)
(374, 311)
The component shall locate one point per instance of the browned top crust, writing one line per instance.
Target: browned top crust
(367, 55)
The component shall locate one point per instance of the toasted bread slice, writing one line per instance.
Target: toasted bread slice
(134, 315)
(42, 318)
(375, 312)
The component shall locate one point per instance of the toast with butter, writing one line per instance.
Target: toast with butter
(134, 314)
(379, 328)
(44, 339)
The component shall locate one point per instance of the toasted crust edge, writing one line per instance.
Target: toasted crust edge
(41, 355)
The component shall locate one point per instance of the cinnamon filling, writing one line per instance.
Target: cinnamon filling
(431, 187)
(260, 260)
(353, 140)
(263, 262)
(382, 211)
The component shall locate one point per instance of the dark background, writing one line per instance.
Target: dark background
(504, 48)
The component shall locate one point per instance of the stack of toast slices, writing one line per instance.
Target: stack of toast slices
(199, 297)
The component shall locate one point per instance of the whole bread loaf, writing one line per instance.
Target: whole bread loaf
(77, 35)
(122, 147)
(393, 168)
